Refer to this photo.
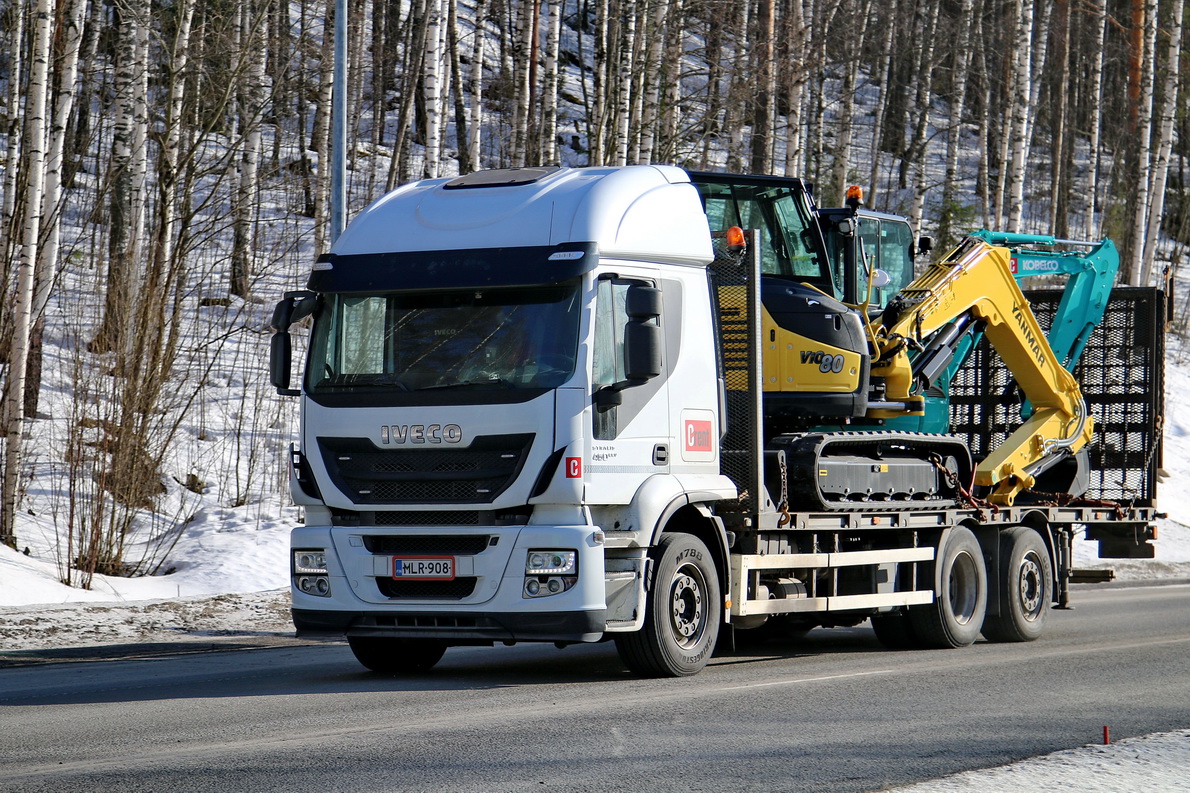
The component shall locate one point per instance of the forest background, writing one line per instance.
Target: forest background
(160, 183)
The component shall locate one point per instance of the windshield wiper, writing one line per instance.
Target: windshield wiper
(467, 383)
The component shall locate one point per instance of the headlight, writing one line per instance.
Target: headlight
(310, 561)
(551, 563)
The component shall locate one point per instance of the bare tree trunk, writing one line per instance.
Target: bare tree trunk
(921, 137)
(841, 163)
(415, 55)
(797, 58)
(736, 104)
(1058, 205)
(548, 139)
(671, 114)
(624, 92)
(477, 51)
(958, 106)
(764, 116)
(253, 38)
(1099, 20)
(10, 238)
(1136, 248)
(18, 360)
(600, 74)
(456, 79)
(1021, 101)
(1169, 104)
(882, 78)
(71, 32)
(127, 186)
(321, 140)
(432, 77)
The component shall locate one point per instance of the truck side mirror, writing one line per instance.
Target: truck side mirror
(295, 307)
(642, 344)
(925, 245)
(642, 335)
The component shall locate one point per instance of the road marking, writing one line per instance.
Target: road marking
(795, 681)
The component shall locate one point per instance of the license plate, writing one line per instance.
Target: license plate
(425, 568)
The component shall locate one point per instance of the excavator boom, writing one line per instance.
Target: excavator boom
(975, 284)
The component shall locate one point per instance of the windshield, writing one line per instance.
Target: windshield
(507, 338)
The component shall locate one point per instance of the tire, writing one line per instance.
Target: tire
(390, 656)
(682, 614)
(955, 618)
(894, 631)
(1025, 587)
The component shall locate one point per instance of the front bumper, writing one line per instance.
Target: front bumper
(464, 626)
(489, 605)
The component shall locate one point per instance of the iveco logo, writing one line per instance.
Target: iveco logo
(421, 433)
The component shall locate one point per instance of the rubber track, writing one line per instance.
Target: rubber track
(803, 452)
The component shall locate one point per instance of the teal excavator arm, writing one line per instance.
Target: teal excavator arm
(1092, 274)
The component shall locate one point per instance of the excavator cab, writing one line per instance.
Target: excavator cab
(815, 348)
(887, 246)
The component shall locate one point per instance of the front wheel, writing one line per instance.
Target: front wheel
(1025, 585)
(682, 613)
(955, 618)
(393, 656)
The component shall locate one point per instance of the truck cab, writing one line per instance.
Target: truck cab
(511, 387)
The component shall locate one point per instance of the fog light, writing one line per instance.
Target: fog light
(532, 586)
(315, 585)
(554, 586)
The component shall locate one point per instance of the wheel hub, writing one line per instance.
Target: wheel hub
(1029, 582)
(686, 607)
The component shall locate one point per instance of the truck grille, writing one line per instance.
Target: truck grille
(457, 545)
(474, 475)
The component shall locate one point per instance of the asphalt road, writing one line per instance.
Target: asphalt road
(834, 712)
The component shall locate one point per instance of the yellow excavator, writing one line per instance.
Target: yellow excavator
(974, 286)
(857, 363)
(907, 349)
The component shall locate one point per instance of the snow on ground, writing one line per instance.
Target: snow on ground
(1150, 764)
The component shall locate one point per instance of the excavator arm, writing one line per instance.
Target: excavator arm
(972, 286)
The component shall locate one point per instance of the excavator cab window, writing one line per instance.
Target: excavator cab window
(887, 244)
(784, 222)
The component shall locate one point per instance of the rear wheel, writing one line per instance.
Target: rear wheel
(682, 614)
(955, 618)
(393, 656)
(1025, 585)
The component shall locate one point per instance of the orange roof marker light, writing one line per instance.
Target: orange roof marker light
(855, 196)
(735, 239)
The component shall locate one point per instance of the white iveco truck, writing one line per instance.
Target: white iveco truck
(532, 411)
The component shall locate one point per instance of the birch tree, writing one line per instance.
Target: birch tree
(958, 106)
(1099, 23)
(254, 96)
(1169, 105)
(797, 54)
(18, 360)
(474, 131)
(10, 239)
(432, 75)
(1136, 237)
(548, 139)
(127, 171)
(1021, 97)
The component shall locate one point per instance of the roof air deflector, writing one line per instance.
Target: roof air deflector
(504, 177)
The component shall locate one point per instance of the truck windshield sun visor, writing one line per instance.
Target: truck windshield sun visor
(489, 267)
(458, 340)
